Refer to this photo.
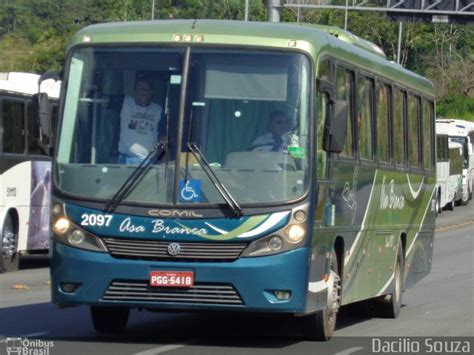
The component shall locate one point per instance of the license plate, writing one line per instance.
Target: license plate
(171, 278)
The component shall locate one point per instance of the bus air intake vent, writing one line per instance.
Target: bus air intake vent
(140, 291)
(158, 250)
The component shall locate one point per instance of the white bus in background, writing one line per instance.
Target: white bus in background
(448, 169)
(25, 168)
(462, 132)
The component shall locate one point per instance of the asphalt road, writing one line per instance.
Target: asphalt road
(441, 305)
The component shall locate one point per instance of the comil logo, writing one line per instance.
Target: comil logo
(19, 346)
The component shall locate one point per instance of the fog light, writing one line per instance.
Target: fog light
(282, 295)
(275, 243)
(295, 233)
(76, 237)
(62, 225)
(68, 287)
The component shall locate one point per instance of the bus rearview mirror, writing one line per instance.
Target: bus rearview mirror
(44, 114)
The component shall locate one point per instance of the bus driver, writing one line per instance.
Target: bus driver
(275, 139)
(139, 120)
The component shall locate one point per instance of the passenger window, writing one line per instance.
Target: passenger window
(413, 131)
(428, 120)
(344, 92)
(383, 141)
(13, 113)
(321, 155)
(325, 70)
(398, 135)
(364, 117)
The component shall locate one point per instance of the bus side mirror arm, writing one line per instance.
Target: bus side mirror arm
(335, 122)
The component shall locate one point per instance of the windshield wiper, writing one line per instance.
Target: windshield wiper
(231, 202)
(157, 150)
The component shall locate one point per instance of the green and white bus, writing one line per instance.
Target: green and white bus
(345, 212)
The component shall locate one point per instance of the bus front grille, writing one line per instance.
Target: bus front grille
(158, 250)
(141, 291)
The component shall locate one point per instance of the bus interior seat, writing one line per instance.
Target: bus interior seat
(270, 161)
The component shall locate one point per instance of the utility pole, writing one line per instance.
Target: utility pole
(273, 9)
(153, 10)
(246, 16)
(399, 49)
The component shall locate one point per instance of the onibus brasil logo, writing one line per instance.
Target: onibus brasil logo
(24, 346)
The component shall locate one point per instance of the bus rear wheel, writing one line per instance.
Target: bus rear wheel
(389, 306)
(109, 319)
(465, 198)
(450, 205)
(321, 325)
(438, 208)
(8, 246)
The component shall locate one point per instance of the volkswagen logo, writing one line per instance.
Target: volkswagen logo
(174, 249)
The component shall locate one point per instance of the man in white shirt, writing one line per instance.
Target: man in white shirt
(139, 120)
(274, 140)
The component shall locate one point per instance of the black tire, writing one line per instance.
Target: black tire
(465, 198)
(320, 325)
(388, 306)
(9, 257)
(450, 206)
(109, 319)
(438, 208)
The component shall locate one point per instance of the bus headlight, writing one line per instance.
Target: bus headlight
(295, 233)
(76, 237)
(61, 226)
(286, 239)
(275, 243)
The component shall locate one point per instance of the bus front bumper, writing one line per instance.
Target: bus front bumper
(104, 280)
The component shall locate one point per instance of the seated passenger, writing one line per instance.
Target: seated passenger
(139, 120)
(276, 139)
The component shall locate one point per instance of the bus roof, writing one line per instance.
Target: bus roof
(27, 84)
(468, 126)
(317, 40)
(450, 128)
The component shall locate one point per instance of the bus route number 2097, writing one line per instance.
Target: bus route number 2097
(99, 220)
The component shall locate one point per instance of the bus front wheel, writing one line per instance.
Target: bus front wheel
(321, 325)
(8, 245)
(109, 319)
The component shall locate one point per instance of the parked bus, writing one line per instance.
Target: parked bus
(461, 132)
(345, 212)
(448, 172)
(25, 169)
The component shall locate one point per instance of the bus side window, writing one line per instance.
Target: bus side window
(32, 131)
(13, 113)
(413, 131)
(321, 155)
(398, 133)
(325, 71)
(383, 142)
(344, 91)
(427, 127)
(364, 117)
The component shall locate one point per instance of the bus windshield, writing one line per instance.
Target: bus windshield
(246, 110)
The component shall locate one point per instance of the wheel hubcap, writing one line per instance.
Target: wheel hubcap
(398, 284)
(334, 297)
(8, 243)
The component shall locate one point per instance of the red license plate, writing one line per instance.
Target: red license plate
(171, 278)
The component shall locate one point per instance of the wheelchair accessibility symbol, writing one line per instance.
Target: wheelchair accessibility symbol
(190, 190)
